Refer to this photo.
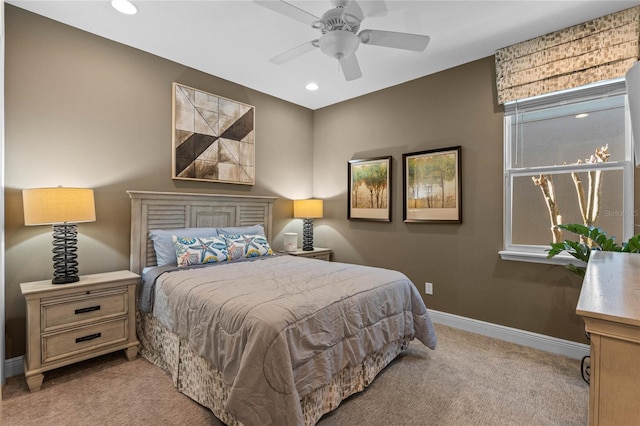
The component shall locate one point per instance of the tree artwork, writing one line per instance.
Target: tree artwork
(427, 178)
(369, 185)
(432, 186)
(369, 189)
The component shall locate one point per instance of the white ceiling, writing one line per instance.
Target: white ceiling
(235, 39)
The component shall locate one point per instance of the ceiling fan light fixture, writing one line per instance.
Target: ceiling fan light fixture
(339, 44)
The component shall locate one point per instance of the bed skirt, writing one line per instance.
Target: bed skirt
(193, 376)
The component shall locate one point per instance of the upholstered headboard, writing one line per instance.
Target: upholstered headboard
(173, 210)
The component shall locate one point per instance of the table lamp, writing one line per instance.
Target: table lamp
(63, 208)
(307, 210)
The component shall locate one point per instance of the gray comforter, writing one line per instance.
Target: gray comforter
(279, 328)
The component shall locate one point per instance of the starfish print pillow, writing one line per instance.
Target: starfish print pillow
(245, 246)
(200, 250)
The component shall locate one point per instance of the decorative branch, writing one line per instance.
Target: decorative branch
(546, 186)
(582, 199)
(590, 203)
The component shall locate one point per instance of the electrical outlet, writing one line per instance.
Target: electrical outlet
(428, 288)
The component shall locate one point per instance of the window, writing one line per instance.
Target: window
(568, 159)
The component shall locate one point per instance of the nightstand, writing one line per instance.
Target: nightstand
(67, 323)
(317, 253)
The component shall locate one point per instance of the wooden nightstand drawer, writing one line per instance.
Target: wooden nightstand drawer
(77, 309)
(83, 339)
(321, 256)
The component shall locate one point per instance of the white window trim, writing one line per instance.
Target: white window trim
(535, 253)
(539, 257)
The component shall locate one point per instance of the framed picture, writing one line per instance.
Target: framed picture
(370, 189)
(432, 187)
(213, 138)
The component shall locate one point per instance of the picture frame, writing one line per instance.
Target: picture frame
(432, 186)
(213, 138)
(369, 194)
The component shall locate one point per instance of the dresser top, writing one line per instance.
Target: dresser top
(611, 288)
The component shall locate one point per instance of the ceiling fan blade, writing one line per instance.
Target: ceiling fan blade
(374, 8)
(289, 10)
(354, 10)
(406, 41)
(350, 68)
(352, 14)
(293, 53)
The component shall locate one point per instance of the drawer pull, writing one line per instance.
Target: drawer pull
(89, 337)
(89, 309)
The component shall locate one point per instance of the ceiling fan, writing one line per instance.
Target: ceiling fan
(340, 37)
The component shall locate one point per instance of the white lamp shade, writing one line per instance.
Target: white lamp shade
(307, 209)
(46, 206)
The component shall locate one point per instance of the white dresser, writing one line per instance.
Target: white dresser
(610, 305)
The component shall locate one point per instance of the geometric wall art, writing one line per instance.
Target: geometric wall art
(213, 138)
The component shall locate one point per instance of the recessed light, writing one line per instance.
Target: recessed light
(312, 86)
(124, 6)
(583, 115)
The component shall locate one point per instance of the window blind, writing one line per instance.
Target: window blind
(601, 49)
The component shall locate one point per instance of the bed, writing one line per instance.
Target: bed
(267, 338)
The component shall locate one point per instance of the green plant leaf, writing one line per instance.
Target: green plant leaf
(582, 251)
(576, 228)
(580, 270)
(556, 248)
(633, 245)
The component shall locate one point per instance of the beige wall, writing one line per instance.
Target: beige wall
(454, 107)
(85, 111)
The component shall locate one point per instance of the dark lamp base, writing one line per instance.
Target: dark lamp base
(65, 280)
(65, 263)
(307, 235)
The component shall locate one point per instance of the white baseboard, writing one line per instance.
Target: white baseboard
(513, 335)
(14, 366)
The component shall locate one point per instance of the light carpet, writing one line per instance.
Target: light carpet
(468, 380)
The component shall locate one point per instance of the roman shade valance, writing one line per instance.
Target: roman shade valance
(600, 49)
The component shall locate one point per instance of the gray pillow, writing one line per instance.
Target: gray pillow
(242, 230)
(163, 241)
